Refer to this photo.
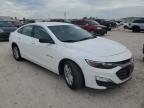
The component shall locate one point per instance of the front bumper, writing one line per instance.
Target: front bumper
(109, 77)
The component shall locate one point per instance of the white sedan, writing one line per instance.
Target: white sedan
(68, 50)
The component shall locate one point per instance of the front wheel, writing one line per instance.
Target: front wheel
(73, 75)
(16, 53)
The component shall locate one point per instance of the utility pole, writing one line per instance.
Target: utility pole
(65, 15)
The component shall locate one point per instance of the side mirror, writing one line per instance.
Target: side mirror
(46, 41)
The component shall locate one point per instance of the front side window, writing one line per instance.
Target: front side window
(70, 33)
(27, 30)
(40, 33)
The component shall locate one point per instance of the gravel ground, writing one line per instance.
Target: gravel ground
(26, 85)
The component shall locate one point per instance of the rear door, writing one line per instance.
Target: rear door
(26, 41)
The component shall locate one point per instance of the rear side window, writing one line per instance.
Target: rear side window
(27, 30)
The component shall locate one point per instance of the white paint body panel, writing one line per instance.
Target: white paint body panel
(50, 55)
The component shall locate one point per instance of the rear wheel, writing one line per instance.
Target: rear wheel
(73, 75)
(136, 29)
(16, 53)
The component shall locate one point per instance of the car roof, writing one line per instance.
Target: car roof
(49, 23)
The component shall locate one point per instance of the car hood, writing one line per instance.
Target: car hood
(98, 47)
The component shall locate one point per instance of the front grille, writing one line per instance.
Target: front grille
(125, 72)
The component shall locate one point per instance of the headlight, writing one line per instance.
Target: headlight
(99, 28)
(1, 31)
(101, 65)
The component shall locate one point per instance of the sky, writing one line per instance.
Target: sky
(74, 8)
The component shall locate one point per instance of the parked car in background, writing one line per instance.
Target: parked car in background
(108, 24)
(91, 26)
(17, 23)
(28, 21)
(137, 25)
(125, 25)
(6, 27)
(70, 51)
(57, 20)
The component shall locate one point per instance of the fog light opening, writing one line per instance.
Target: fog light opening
(103, 79)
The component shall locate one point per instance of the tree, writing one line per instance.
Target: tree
(15, 18)
(85, 18)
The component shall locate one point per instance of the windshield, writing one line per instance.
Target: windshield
(70, 33)
(6, 24)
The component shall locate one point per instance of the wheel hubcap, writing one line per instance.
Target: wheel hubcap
(68, 74)
(15, 52)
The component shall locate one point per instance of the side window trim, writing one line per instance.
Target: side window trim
(20, 30)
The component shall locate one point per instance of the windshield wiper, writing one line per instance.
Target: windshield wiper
(69, 41)
(79, 40)
(86, 38)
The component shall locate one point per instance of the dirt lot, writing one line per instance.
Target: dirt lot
(26, 85)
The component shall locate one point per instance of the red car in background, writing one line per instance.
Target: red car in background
(91, 26)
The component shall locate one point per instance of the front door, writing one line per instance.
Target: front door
(44, 53)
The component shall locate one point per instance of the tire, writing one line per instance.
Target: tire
(16, 53)
(125, 27)
(136, 29)
(73, 75)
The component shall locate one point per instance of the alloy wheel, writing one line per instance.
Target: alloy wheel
(16, 52)
(68, 74)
